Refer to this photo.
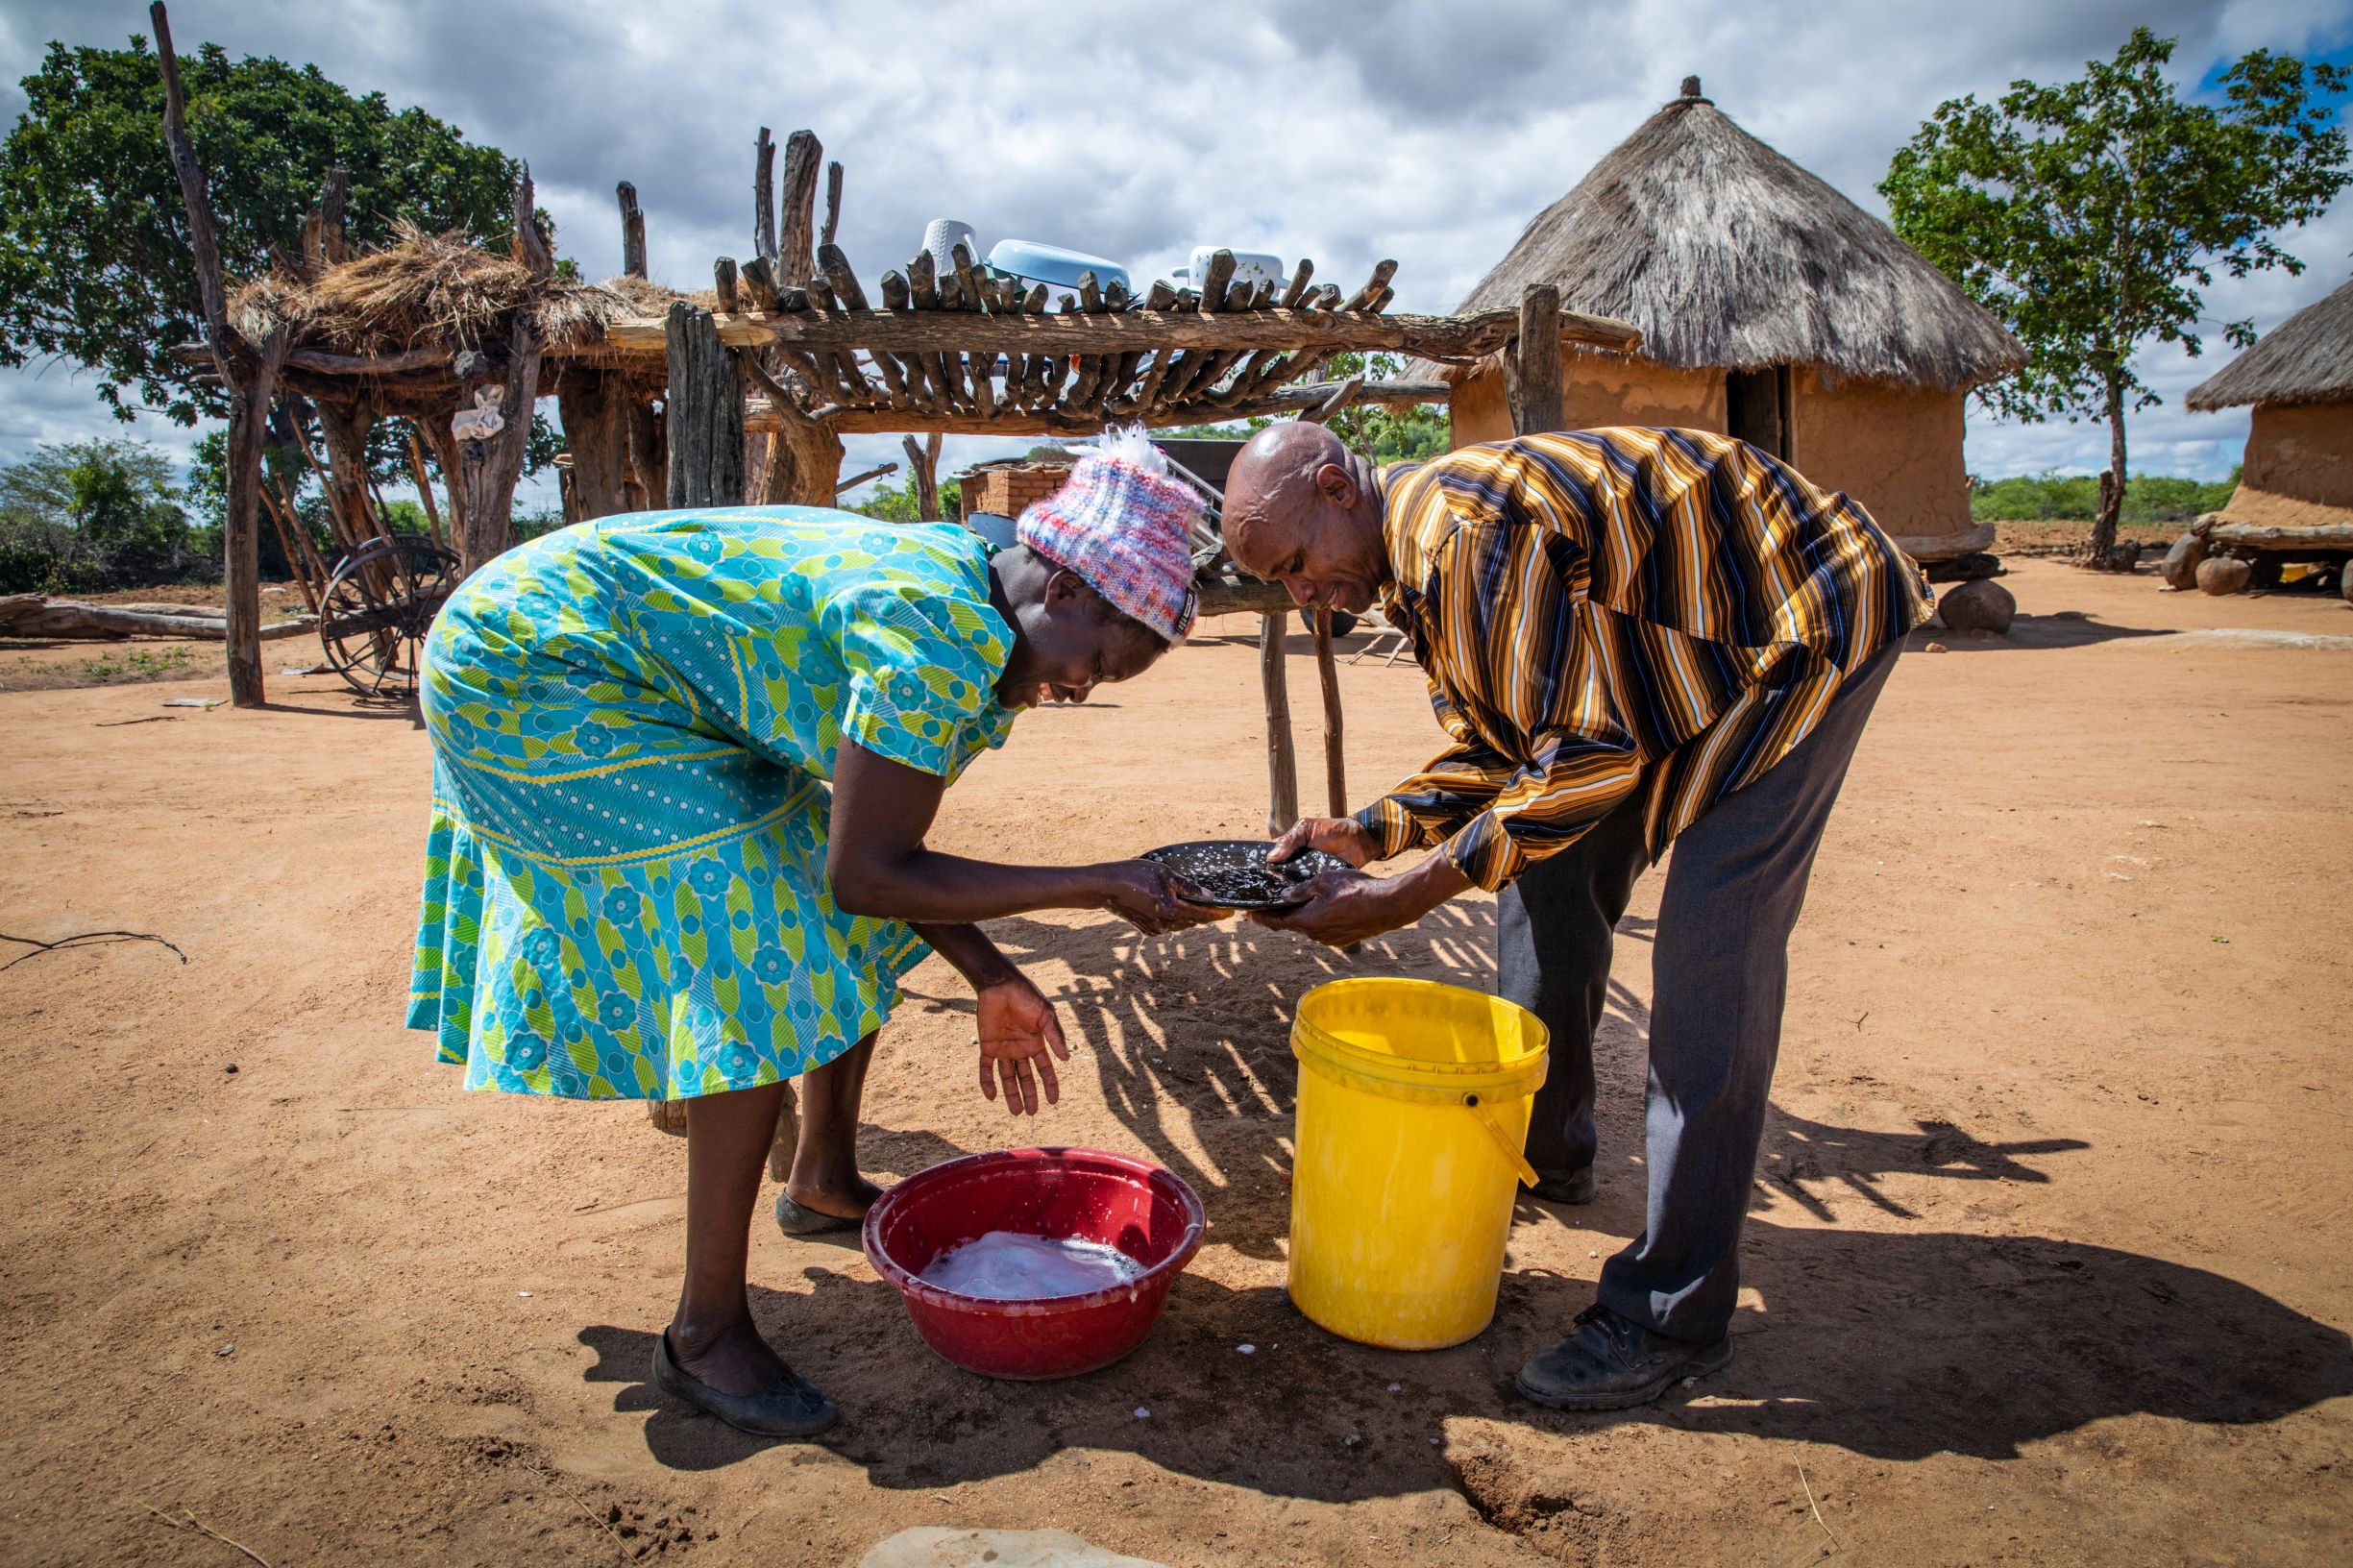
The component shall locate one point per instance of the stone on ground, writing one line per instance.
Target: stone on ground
(2223, 574)
(931, 1547)
(1983, 606)
(2181, 562)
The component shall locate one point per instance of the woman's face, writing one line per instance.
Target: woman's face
(1070, 642)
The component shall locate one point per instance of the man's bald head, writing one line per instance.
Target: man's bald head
(1303, 510)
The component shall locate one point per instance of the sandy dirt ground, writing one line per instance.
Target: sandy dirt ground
(2048, 1260)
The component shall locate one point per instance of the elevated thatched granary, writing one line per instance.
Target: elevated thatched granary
(1771, 308)
(2297, 480)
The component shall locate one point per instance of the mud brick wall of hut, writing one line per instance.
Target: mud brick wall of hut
(1008, 491)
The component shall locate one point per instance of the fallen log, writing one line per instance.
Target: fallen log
(35, 616)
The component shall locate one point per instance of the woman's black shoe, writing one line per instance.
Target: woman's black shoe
(792, 1409)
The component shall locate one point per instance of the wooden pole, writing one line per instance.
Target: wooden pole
(797, 246)
(764, 198)
(1281, 764)
(425, 486)
(707, 414)
(1531, 367)
(286, 547)
(632, 232)
(250, 385)
(1327, 672)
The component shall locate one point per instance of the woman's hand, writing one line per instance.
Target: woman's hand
(1017, 1028)
(1151, 897)
(1341, 836)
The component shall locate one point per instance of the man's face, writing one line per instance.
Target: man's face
(1307, 537)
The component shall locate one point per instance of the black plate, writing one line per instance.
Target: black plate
(1234, 875)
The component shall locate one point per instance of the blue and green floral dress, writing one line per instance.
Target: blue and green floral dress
(633, 723)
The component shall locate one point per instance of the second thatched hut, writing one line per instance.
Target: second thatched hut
(1771, 308)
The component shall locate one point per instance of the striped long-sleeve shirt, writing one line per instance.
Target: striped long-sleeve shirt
(1604, 611)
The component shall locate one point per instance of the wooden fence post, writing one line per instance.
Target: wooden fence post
(1532, 369)
(1327, 675)
(1282, 763)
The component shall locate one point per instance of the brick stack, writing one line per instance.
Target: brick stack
(1008, 490)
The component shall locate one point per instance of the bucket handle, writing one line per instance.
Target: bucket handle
(1502, 1140)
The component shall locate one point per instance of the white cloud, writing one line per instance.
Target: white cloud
(1425, 132)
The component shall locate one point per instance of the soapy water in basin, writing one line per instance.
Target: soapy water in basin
(1009, 1265)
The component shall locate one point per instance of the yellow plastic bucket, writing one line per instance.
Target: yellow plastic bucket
(1413, 1101)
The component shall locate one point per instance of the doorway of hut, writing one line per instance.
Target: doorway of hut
(1756, 409)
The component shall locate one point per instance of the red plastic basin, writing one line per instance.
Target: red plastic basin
(1085, 1194)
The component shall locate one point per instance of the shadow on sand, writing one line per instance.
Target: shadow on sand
(1894, 1345)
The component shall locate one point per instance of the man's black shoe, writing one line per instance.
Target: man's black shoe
(1612, 1364)
(1572, 1187)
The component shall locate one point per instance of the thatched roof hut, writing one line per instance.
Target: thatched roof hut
(2297, 476)
(1771, 308)
(2308, 358)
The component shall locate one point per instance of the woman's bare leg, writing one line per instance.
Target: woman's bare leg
(712, 1338)
(825, 1160)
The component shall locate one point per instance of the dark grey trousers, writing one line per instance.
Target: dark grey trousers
(1719, 971)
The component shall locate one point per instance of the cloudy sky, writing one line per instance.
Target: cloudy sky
(1429, 132)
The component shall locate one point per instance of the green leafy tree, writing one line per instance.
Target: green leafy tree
(82, 516)
(1382, 434)
(895, 503)
(2089, 215)
(95, 258)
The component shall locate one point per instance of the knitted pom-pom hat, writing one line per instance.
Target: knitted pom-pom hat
(1123, 522)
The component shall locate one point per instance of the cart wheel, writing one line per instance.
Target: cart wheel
(378, 606)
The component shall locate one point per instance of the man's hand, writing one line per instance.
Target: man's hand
(1017, 1027)
(1151, 897)
(1344, 908)
(1341, 836)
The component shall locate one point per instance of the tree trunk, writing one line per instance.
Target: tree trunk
(490, 466)
(249, 419)
(923, 472)
(595, 428)
(2100, 551)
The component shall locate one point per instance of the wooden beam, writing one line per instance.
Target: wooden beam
(1240, 596)
(1282, 763)
(924, 330)
(1010, 419)
(1944, 546)
(1533, 376)
(2264, 536)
